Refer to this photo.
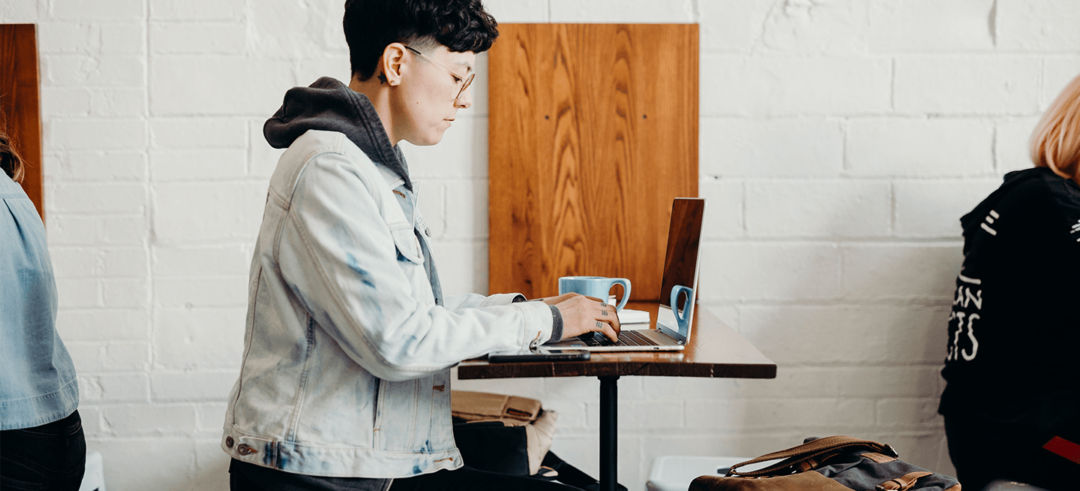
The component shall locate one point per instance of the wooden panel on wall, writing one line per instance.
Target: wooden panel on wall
(593, 130)
(19, 102)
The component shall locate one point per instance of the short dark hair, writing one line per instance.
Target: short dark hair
(371, 25)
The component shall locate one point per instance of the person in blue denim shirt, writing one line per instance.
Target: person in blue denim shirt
(345, 377)
(41, 437)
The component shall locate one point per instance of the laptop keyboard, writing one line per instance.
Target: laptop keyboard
(626, 338)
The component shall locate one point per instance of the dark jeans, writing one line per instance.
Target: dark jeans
(47, 457)
(984, 449)
(249, 477)
(467, 478)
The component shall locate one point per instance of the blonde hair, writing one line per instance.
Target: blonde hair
(1055, 144)
(10, 160)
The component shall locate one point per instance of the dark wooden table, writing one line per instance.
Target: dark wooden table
(715, 350)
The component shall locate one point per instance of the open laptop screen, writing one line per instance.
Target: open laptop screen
(684, 239)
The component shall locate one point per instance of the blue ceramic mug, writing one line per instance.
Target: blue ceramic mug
(682, 315)
(595, 286)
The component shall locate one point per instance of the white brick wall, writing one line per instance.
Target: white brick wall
(905, 27)
(919, 147)
(840, 143)
(961, 85)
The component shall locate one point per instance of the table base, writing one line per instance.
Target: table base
(609, 440)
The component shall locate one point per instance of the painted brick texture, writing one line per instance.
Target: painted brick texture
(840, 143)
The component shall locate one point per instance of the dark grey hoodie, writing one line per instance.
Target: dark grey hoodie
(330, 105)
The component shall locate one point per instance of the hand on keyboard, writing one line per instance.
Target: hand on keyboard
(627, 338)
(584, 315)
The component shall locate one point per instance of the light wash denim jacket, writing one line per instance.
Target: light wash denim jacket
(347, 356)
(37, 378)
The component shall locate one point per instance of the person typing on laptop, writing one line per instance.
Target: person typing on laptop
(345, 377)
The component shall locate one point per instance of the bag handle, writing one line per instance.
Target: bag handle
(902, 483)
(808, 455)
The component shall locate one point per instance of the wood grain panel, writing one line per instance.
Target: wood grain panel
(20, 103)
(593, 131)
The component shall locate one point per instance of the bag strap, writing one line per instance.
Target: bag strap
(808, 455)
(902, 483)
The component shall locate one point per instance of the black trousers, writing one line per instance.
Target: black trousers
(249, 477)
(467, 478)
(48, 457)
(985, 448)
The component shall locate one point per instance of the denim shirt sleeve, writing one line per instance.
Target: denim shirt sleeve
(37, 377)
(338, 254)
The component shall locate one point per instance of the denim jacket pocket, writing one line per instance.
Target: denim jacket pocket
(396, 418)
(408, 246)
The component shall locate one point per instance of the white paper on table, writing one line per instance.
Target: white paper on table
(630, 316)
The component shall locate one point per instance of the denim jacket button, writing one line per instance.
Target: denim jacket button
(244, 449)
(229, 442)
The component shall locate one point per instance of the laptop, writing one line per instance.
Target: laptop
(678, 290)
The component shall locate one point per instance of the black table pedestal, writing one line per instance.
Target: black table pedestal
(609, 425)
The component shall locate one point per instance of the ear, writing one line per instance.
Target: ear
(392, 60)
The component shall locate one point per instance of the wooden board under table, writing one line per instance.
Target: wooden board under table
(593, 130)
(715, 350)
(20, 104)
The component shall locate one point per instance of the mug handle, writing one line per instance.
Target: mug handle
(626, 294)
(681, 314)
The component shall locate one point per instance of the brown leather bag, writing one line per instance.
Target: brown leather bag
(835, 463)
(484, 407)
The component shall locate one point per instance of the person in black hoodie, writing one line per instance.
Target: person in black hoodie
(1012, 399)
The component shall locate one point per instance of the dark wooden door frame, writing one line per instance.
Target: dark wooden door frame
(20, 102)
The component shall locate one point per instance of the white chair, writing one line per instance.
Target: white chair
(1003, 485)
(94, 477)
(675, 472)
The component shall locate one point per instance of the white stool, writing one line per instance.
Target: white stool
(674, 472)
(1003, 485)
(94, 477)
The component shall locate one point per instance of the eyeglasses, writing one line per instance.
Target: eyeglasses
(457, 78)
